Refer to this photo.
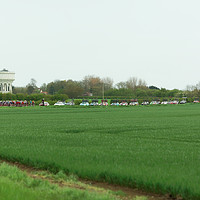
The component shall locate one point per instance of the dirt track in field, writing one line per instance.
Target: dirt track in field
(130, 193)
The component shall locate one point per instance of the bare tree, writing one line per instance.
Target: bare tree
(132, 83)
(198, 86)
(43, 87)
(190, 87)
(31, 87)
(33, 83)
(142, 83)
(92, 84)
(121, 85)
(108, 83)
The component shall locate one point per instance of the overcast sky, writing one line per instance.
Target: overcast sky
(155, 40)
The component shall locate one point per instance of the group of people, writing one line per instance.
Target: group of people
(17, 103)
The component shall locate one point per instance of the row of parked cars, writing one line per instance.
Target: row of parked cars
(156, 102)
(123, 103)
(83, 103)
(164, 102)
(94, 103)
(61, 103)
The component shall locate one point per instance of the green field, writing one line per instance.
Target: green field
(155, 148)
(18, 185)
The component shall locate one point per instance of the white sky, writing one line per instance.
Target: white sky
(155, 40)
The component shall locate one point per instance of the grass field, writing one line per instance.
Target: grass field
(156, 148)
(19, 185)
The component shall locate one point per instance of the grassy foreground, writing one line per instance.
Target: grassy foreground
(17, 185)
(155, 148)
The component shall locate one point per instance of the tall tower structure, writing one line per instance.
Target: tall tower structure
(6, 80)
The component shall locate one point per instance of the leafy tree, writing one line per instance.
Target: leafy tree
(30, 89)
(19, 90)
(154, 88)
(50, 88)
(141, 93)
(73, 89)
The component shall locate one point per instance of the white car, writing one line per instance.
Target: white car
(94, 103)
(115, 104)
(123, 104)
(183, 102)
(164, 102)
(70, 103)
(133, 103)
(84, 103)
(175, 102)
(59, 103)
(145, 103)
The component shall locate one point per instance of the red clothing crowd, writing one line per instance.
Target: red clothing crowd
(17, 103)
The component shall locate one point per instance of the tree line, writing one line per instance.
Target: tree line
(96, 87)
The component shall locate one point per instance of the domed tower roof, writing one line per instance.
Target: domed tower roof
(4, 70)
